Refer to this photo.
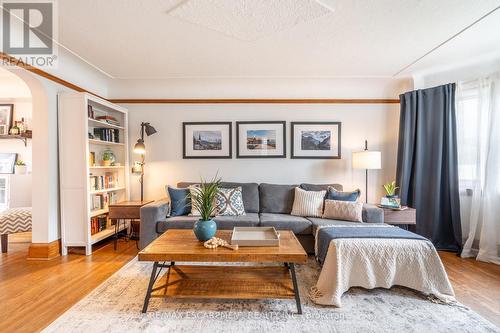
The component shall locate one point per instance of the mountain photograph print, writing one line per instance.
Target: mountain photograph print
(206, 140)
(316, 140)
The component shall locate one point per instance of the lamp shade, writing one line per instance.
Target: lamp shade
(367, 160)
(139, 147)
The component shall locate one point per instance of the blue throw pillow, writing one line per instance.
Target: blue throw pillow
(333, 194)
(180, 204)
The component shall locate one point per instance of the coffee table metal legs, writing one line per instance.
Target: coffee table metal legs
(291, 267)
(155, 273)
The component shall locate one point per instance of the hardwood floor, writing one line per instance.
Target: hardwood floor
(476, 284)
(35, 293)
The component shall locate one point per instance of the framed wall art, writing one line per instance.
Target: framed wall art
(6, 115)
(319, 140)
(206, 140)
(260, 139)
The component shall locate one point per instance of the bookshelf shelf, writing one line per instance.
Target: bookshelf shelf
(109, 231)
(106, 143)
(106, 190)
(98, 123)
(82, 207)
(101, 167)
(98, 212)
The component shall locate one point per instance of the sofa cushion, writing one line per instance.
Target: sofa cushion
(343, 210)
(223, 222)
(229, 202)
(299, 225)
(180, 203)
(320, 187)
(249, 191)
(308, 203)
(319, 222)
(276, 199)
(228, 222)
(334, 194)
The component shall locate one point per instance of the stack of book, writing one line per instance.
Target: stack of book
(107, 134)
(108, 119)
(98, 223)
(102, 200)
(109, 180)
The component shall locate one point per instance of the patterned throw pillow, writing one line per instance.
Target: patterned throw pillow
(308, 203)
(193, 193)
(343, 210)
(333, 194)
(229, 202)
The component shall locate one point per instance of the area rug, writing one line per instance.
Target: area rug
(115, 306)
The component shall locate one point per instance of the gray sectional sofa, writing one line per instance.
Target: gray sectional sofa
(265, 205)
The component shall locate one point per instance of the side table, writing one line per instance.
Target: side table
(402, 218)
(125, 210)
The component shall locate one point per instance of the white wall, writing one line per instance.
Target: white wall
(378, 123)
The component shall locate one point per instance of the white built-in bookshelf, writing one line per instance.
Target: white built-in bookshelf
(90, 131)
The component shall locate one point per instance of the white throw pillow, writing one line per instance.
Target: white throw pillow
(343, 210)
(308, 203)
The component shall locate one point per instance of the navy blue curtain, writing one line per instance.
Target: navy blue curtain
(427, 170)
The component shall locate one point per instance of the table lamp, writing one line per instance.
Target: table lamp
(140, 148)
(368, 160)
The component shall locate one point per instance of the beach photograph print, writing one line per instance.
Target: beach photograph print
(207, 140)
(316, 140)
(261, 139)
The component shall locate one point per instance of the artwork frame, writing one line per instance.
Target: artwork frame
(7, 163)
(213, 140)
(271, 129)
(6, 118)
(309, 140)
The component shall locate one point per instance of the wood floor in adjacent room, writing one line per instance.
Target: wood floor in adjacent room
(35, 293)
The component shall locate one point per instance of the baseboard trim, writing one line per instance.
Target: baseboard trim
(44, 251)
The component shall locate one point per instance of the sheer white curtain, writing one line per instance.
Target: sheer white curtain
(478, 134)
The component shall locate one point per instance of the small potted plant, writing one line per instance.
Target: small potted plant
(391, 199)
(390, 189)
(108, 158)
(21, 168)
(203, 201)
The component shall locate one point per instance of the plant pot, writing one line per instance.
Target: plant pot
(106, 162)
(21, 169)
(204, 230)
(391, 196)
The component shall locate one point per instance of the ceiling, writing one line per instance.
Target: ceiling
(155, 39)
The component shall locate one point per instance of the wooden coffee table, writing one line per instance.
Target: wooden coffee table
(222, 282)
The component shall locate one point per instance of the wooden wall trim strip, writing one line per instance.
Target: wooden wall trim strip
(44, 251)
(5, 58)
(259, 101)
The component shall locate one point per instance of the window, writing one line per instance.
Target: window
(467, 136)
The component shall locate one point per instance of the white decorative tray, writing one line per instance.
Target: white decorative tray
(255, 236)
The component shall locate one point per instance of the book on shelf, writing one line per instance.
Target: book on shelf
(108, 119)
(98, 224)
(108, 180)
(107, 134)
(102, 200)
